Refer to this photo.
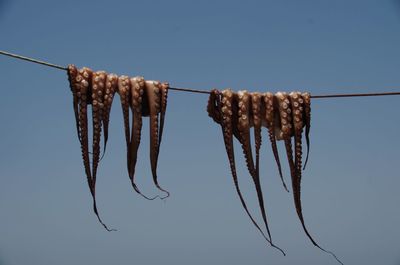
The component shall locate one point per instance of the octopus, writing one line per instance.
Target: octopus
(284, 115)
(232, 112)
(143, 99)
(88, 89)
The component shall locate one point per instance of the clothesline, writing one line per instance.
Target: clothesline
(203, 91)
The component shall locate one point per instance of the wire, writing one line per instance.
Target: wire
(33, 60)
(204, 91)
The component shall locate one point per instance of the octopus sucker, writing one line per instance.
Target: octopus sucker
(271, 122)
(137, 90)
(223, 108)
(153, 93)
(307, 120)
(111, 85)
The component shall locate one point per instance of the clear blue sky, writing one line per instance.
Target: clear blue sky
(350, 188)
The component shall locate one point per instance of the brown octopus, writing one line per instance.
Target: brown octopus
(144, 99)
(232, 112)
(284, 116)
(88, 88)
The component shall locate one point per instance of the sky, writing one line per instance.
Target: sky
(350, 189)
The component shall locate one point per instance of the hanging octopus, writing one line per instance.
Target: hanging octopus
(232, 112)
(144, 99)
(284, 116)
(88, 88)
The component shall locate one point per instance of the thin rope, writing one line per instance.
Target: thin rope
(33, 60)
(199, 90)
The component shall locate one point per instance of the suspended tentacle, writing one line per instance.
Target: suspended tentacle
(257, 119)
(97, 89)
(307, 120)
(212, 108)
(271, 122)
(243, 125)
(225, 106)
(80, 82)
(287, 110)
(163, 108)
(110, 89)
(125, 97)
(85, 78)
(153, 93)
(74, 83)
(244, 122)
(137, 90)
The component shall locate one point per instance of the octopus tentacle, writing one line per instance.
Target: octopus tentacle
(307, 120)
(270, 120)
(125, 97)
(292, 124)
(153, 92)
(137, 90)
(164, 99)
(212, 108)
(84, 77)
(110, 89)
(244, 122)
(224, 104)
(97, 87)
(73, 81)
(257, 118)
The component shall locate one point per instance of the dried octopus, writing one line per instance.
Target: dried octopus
(91, 88)
(284, 115)
(143, 99)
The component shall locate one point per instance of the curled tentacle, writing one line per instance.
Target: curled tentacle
(137, 90)
(271, 122)
(153, 92)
